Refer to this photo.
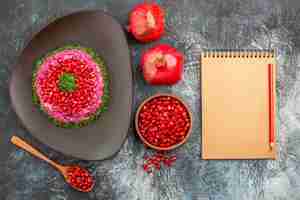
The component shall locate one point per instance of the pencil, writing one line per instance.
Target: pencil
(271, 105)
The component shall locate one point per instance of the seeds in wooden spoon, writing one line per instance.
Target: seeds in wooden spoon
(80, 179)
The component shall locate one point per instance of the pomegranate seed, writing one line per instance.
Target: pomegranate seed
(158, 124)
(85, 80)
(79, 178)
(163, 122)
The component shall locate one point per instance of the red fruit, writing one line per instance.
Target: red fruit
(162, 65)
(147, 22)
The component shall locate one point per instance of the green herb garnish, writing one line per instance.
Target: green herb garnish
(67, 82)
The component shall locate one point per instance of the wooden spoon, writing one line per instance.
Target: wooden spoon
(79, 178)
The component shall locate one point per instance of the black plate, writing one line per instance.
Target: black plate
(93, 29)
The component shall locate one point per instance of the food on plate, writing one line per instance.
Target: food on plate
(147, 22)
(71, 85)
(162, 65)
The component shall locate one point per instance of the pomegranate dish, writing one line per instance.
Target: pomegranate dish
(71, 85)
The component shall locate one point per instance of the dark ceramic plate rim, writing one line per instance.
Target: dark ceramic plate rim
(27, 42)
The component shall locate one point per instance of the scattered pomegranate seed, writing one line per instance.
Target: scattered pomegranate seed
(155, 161)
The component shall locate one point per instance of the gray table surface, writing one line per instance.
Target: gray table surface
(193, 25)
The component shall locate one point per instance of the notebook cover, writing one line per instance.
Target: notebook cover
(235, 105)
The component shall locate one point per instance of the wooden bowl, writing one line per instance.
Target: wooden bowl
(151, 145)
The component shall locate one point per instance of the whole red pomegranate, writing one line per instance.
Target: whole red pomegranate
(147, 22)
(162, 65)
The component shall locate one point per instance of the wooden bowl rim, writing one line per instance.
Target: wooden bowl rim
(153, 146)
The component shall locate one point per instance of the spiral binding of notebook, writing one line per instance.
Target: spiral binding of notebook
(235, 53)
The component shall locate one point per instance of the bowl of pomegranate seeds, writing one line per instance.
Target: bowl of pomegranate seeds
(163, 122)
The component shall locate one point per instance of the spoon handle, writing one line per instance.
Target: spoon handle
(27, 147)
